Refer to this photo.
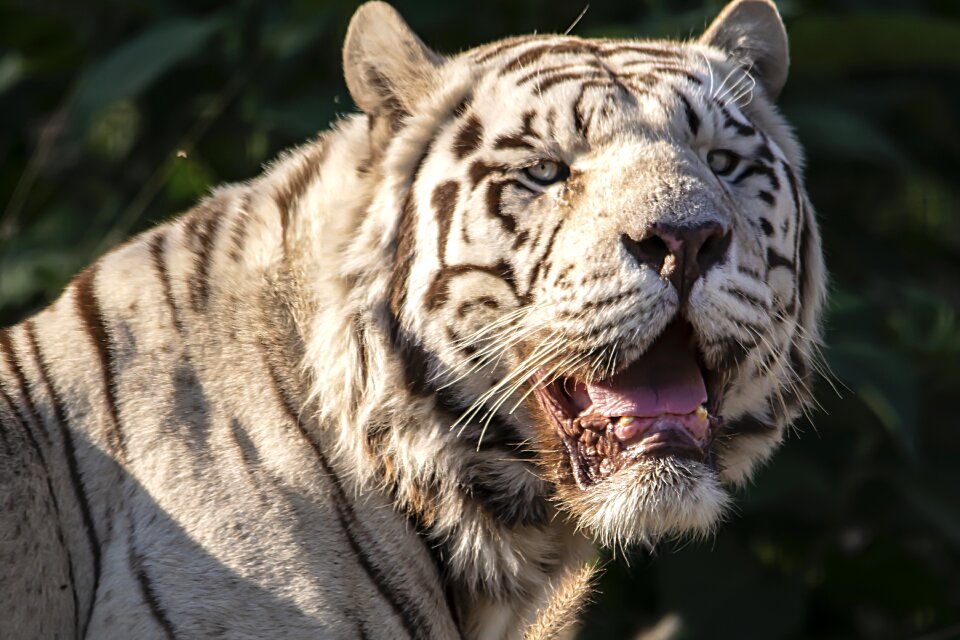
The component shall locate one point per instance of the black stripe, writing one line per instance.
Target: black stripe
(693, 120)
(580, 123)
(7, 445)
(205, 224)
(91, 318)
(748, 425)
(533, 54)
(414, 624)
(676, 71)
(468, 138)
(146, 587)
(540, 271)
(491, 51)
(547, 83)
(802, 230)
(732, 123)
(69, 452)
(25, 423)
(406, 243)
(512, 142)
(494, 196)
(8, 353)
(238, 236)
(759, 169)
(444, 202)
(158, 258)
(360, 333)
(645, 50)
(609, 300)
(765, 226)
(774, 259)
(746, 297)
(294, 186)
(803, 278)
(6, 349)
(560, 68)
(438, 292)
(480, 170)
(732, 352)
(435, 552)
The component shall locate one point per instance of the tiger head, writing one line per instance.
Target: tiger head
(602, 248)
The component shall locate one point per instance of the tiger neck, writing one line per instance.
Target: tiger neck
(497, 536)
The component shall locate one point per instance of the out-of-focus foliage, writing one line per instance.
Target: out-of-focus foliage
(115, 114)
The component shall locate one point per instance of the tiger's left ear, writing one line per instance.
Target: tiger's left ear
(387, 67)
(752, 31)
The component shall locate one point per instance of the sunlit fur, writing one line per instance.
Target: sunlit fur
(303, 409)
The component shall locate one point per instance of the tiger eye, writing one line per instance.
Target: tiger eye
(722, 161)
(546, 172)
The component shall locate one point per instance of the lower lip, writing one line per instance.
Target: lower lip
(694, 425)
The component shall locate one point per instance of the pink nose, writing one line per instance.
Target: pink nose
(680, 254)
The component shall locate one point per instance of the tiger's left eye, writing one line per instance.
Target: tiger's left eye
(722, 161)
(547, 172)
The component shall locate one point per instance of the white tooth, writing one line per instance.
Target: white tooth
(605, 466)
(701, 412)
(626, 421)
(591, 451)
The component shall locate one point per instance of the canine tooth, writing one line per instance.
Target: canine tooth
(626, 420)
(702, 412)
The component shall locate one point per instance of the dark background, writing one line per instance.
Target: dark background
(853, 530)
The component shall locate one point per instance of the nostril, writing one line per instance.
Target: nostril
(714, 247)
(651, 251)
(655, 248)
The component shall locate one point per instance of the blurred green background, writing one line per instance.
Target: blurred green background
(115, 114)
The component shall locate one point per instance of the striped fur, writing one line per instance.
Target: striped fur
(301, 409)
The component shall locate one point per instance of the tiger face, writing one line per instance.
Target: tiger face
(603, 247)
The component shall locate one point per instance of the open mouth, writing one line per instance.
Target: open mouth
(663, 405)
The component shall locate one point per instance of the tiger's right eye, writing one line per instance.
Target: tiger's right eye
(547, 172)
(722, 161)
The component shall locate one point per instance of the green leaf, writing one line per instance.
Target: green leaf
(843, 134)
(11, 70)
(304, 116)
(884, 381)
(722, 590)
(135, 65)
(873, 42)
(935, 502)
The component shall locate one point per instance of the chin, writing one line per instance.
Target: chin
(651, 500)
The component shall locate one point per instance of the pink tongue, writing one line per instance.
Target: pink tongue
(666, 379)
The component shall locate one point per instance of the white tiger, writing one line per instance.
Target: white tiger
(547, 291)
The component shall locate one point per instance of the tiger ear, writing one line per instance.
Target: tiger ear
(387, 67)
(752, 31)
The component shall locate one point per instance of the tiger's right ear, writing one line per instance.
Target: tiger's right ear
(752, 31)
(387, 67)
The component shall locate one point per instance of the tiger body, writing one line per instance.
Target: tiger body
(303, 408)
